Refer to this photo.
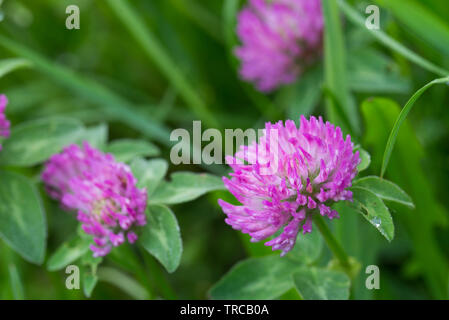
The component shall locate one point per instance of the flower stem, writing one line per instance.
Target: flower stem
(332, 243)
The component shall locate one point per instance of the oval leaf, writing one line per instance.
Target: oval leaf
(321, 284)
(161, 236)
(96, 136)
(307, 248)
(149, 173)
(68, 252)
(186, 186)
(385, 189)
(374, 210)
(22, 218)
(256, 278)
(125, 150)
(35, 141)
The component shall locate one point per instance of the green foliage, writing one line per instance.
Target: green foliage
(161, 236)
(125, 150)
(384, 189)
(22, 217)
(9, 65)
(69, 86)
(185, 186)
(271, 276)
(401, 118)
(321, 284)
(257, 278)
(406, 170)
(68, 252)
(374, 210)
(35, 141)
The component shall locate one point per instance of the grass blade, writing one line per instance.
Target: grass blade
(400, 120)
(335, 69)
(155, 51)
(9, 65)
(389, 42)
(112, 104)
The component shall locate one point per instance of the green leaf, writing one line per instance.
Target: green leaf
(389, 42)
(68, 252)
(365, 159)
(9, 65)
(385, 190)
(22, 217)
(150, 173)
(407, 171)
(321, 284)
(125, 150)
(374, 210)
(89, 282)
(371, 71)
(16, 282)
(34, 142)
(336, 78)
(96, 136)
(161, 237)
(186, 186)
(401, 118)
(256, 279)
(307, 248)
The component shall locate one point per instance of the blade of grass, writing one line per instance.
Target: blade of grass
(335, 69)
(9, 65)
(16, 282)
(124, 282)
(155, 52)
(112, 104)
(389, 42)
(400, 120)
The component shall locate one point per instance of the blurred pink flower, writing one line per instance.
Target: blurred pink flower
(4, 123)
(315, 166)
(103, 192)
(279, 39)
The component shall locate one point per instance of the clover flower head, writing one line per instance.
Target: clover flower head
(101, 190)
(280, 38)
(4, 123)
(314, 165)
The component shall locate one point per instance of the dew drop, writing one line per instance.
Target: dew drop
(376, 221)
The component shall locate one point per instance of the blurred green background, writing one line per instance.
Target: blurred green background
(169, 62)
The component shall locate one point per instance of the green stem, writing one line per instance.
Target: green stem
(158, 277)
(332, 243)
